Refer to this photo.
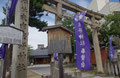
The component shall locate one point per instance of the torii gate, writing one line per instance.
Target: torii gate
(76, 8)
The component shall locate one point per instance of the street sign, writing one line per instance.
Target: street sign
(10, 35)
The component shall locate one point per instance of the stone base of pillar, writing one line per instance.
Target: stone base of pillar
(78, 74)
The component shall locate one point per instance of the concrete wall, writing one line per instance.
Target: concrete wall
(110, 7)
(105, 10)
(115, 6)
(93, 6)
(104, 6)
(97, 5)
(101, 4)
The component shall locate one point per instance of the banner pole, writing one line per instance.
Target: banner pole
(74, 45)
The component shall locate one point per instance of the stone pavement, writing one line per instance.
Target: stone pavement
(86, 75)
(44, 69)
(31, 74)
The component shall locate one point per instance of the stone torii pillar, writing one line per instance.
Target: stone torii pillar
(19, 60)
(96, 47)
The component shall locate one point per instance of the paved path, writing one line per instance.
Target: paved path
(31, 74)
(44, 69)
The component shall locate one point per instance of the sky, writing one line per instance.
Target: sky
(36, 37)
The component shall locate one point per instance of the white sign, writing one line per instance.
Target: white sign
(10, 35)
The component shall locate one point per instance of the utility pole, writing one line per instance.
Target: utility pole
(19, 60)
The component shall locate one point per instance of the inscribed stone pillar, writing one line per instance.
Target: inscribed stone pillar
(19, 60)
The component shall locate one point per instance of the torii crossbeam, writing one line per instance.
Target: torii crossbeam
(76, 8)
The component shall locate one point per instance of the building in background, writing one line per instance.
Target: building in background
(40, 55)
(105, 6)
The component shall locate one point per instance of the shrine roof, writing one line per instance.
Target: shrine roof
(57, 26)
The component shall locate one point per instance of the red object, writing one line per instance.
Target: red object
(103, 55)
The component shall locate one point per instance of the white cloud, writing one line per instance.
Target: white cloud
(36, 37)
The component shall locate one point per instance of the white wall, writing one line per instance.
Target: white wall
(105, 10)
(110, 7)
(101, 4)
(93, 6)
(97, 5)
(104, 6)
(114, 6)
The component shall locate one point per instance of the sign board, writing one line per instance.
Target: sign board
(10, 35)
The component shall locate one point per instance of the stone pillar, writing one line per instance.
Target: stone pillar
(78, 74)
(97, 48)
(19, 60)
(1, 67)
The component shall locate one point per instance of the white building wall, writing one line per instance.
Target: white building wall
(114, 6)
(101, 3)
(97, 5)
(110, 8)
(93, 6)
(105, 10)
(104, 6)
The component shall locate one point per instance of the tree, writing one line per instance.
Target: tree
(110, 27)
(35, 14)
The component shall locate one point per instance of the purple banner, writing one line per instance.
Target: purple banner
(2, 51)
(11, 9)
(111, 52)
(83, 54)
(56, 56)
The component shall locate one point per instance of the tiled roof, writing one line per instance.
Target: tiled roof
(41, 52)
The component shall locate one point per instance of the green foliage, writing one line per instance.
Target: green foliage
(30, 48)
(110, 27)
(35, 14)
